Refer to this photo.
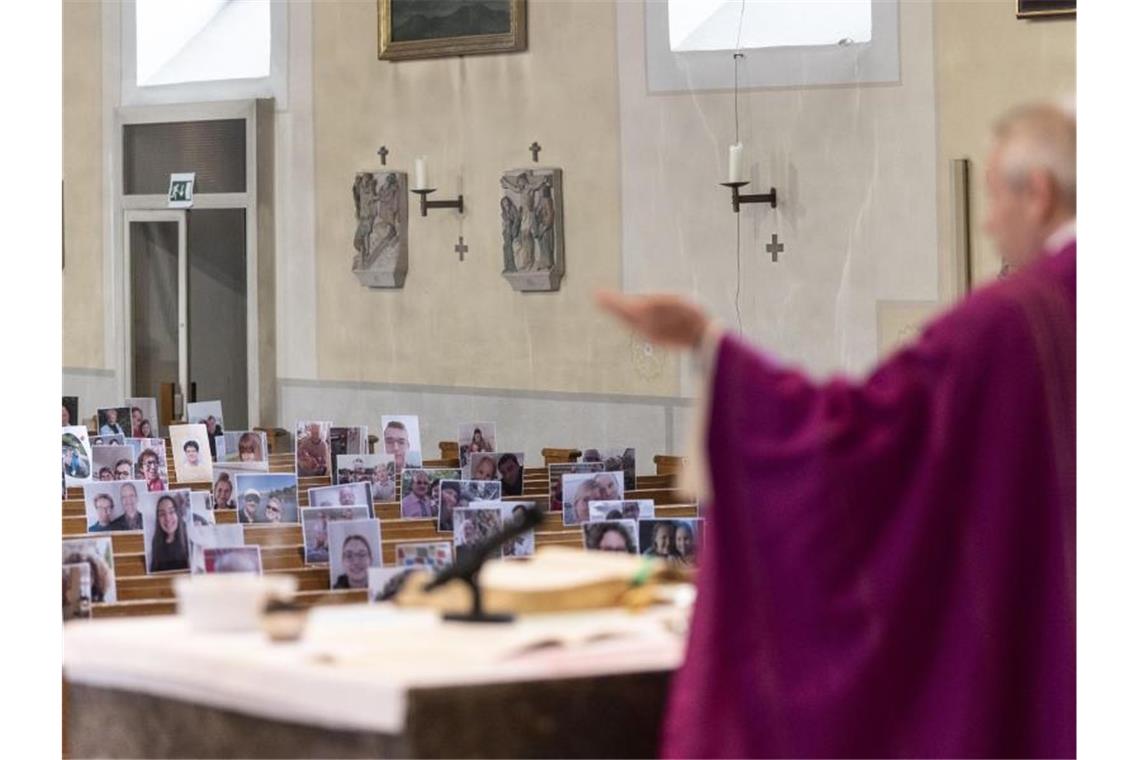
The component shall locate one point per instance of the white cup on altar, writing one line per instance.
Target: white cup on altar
(229, 601)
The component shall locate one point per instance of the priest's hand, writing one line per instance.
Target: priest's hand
(661, 318)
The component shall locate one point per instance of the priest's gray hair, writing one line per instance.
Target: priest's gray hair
(1041, 136)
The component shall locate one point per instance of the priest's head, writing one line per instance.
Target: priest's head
(1031, 179)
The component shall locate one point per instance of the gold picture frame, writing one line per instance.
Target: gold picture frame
(510, 41)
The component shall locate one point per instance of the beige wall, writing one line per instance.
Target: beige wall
(83, 190)
(987, 60)
(461, 323)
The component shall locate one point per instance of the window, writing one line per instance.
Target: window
(753, 24)
(201, 40)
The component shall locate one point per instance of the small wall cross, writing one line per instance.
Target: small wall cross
(775, 248)
(383, 153)
(534, 149)
(461, 248)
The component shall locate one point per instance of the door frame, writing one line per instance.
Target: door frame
(235, 109)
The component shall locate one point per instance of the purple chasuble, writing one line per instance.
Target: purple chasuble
(889, 567)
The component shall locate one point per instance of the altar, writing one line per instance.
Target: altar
(373, 681)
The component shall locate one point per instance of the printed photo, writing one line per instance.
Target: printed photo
(192, 462)
(637, 509)
(243, 450)
(76, 591)
(344, 495)
(610, 536)
(224, 489)
(166, 530)
(150, 463)
(474, 525)
(354, 546)
(108, 440)
(555, 473)
(204, 537)
(233, 559)
(315, 529)
(506, 467)
(209, 414)
(400, 434)
(615, 460)
(434, 555)
(674, 540)
(98, 555)
(420, 491)
(522, 546)
(144, 417)
(580, 489)
(347, 440)
(385, 582)
(266, 497)
(312, 450)
(113, 506)
(114, 421)
(76, 455)
(201, 508)
(113, 462)
(377, 469)
(475, 437)
(70, 410)
(456, 494)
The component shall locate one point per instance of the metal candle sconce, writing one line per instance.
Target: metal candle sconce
(425, 204)
(739, 198)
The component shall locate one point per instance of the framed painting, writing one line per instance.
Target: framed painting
(1043, 8)
(437, 28)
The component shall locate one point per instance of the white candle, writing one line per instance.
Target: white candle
(736, 162)
(421, 173)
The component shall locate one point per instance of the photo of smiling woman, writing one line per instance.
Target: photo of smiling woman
(354, 546)
(168, 545)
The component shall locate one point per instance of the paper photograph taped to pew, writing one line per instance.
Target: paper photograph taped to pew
(315, 529)
(312, 453)
(204, 537)
(201, 508)
(166, 530)
(70, 410)
(191, 447)
(474, 437)
(266, 497)
(474, 525)
(419, 490)
(224, 492)
(621, 509)
(555, 473)
(150, 462)
(623, 460)
(208, 413)
(113, 506)
(610, 536)
(233, 559)
(523, 546)
(76, 591)
(579, 489)
(385, 582)
(97, 554)
(434, 555)
(400, 434)
(112, 462)
(343, 495)
(354, 546)
(504, 466)
(144, 418)
(114, 420)
(243, 450)
(674, 540)
(348, 440)
(456, 494)
(377, 469)
(76, 455)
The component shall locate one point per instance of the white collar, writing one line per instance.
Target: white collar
(1062, 237)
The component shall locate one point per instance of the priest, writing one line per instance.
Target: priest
(889, 566)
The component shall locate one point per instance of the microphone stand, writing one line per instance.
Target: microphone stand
(467, 569)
